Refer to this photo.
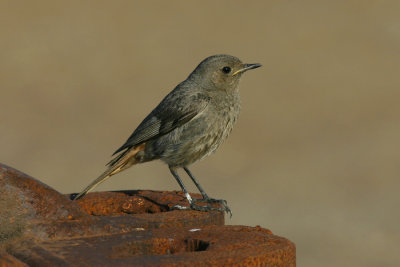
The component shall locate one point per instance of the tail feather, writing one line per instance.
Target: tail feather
(120, 163)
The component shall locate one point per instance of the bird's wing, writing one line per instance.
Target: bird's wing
(174, 111)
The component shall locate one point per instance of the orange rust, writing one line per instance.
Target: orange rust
(39, 199)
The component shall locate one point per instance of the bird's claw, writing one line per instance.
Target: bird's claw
(203, 208)
(213, 201)
(221, 202)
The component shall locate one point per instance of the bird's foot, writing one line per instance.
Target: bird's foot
(213, 201)
(194, 206)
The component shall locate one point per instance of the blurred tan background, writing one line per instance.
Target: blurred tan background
(315, 154)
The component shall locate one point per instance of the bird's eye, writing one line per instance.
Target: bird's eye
(226, 69)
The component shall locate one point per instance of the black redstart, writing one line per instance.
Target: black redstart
(188, 125)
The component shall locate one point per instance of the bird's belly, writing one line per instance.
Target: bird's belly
(196, 140)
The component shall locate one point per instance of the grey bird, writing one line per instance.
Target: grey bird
(188, 125)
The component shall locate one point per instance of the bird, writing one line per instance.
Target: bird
(188, 125)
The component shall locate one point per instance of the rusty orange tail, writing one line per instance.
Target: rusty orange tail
(121, 162)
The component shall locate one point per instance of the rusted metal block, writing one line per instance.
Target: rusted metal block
(41, 227)
(34, 199)
(132, 202)
(203, 246)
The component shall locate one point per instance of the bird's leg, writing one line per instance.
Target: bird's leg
(187, 195)
(203, 193)
(206, 198)
(189, 198)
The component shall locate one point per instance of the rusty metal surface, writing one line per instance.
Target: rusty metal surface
(132, 202)
(37, 200)
(105, 225)
(42, 227)
(208, 245)
(7, 260)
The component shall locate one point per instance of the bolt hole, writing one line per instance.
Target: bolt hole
(193, 245)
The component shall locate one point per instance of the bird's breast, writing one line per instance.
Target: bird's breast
(212, 127)
(199, 137)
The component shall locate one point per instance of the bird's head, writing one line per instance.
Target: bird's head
(220, 72)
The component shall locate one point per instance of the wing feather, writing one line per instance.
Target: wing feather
(174, 111)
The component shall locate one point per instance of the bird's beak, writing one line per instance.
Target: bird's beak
(247, 67)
